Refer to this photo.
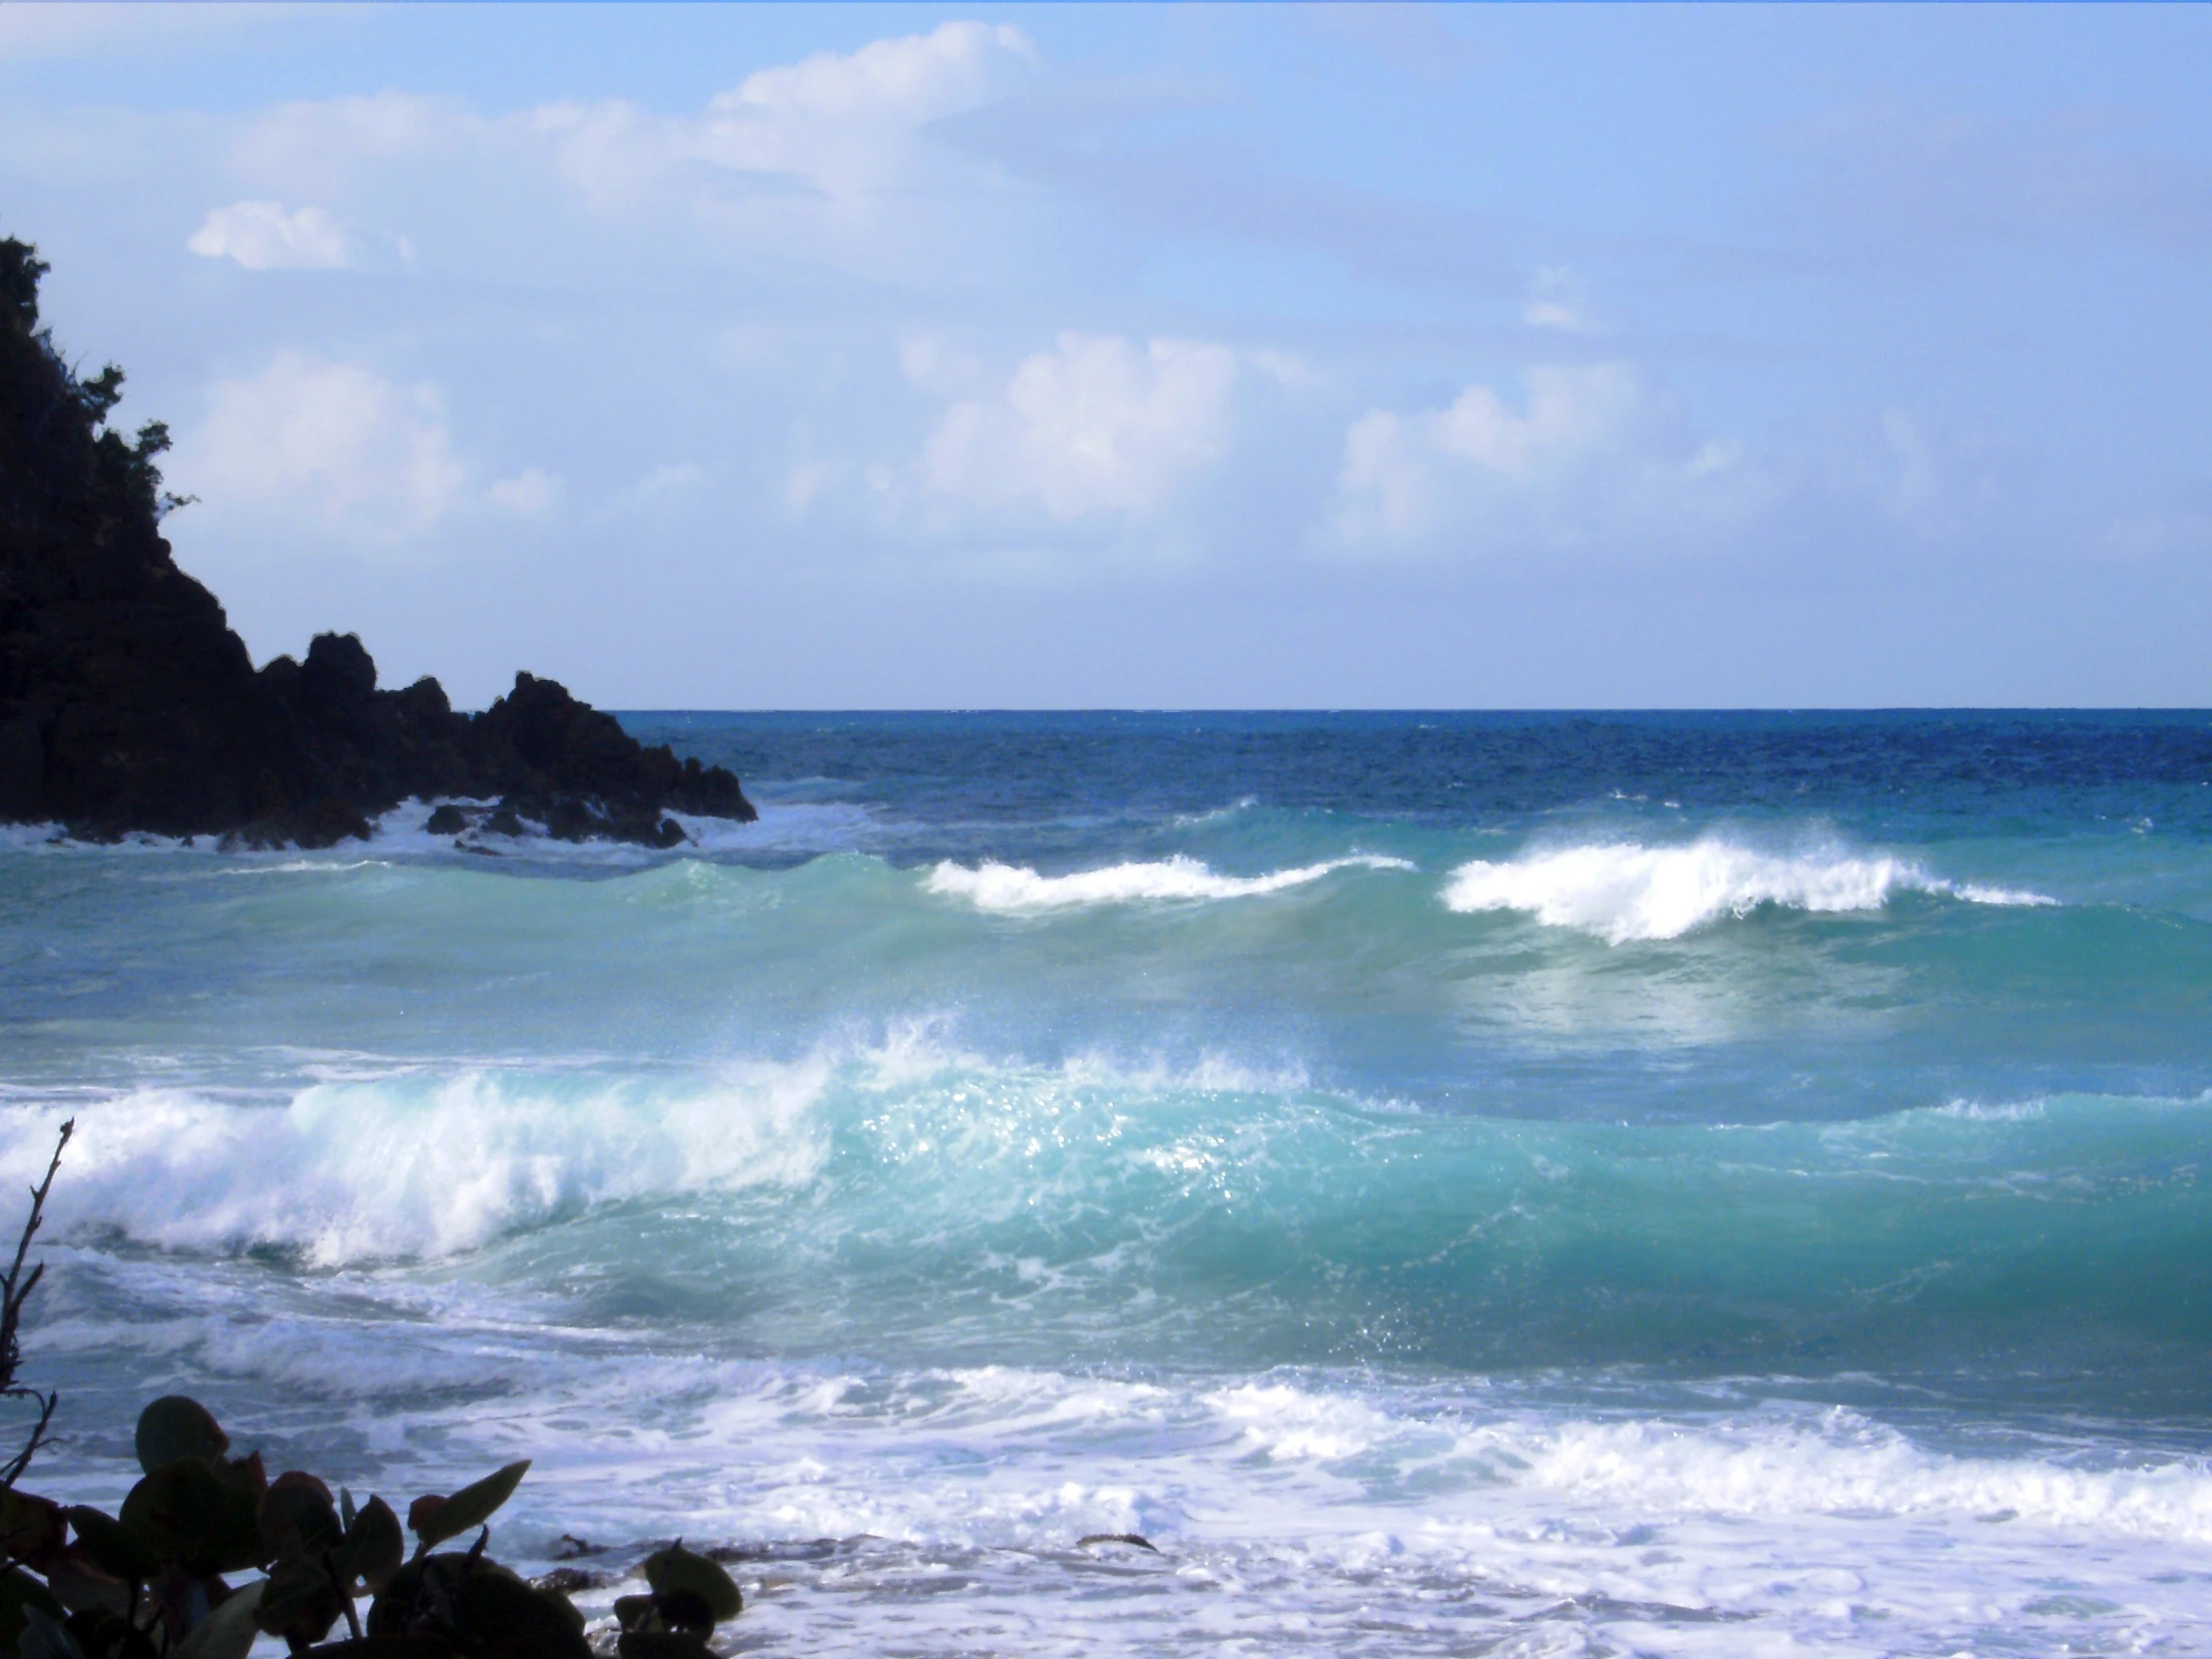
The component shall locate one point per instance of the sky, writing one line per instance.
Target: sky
(1315, 357)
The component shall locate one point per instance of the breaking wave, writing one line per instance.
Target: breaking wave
(413, 1166)
(1012, 888)
(1624, 891)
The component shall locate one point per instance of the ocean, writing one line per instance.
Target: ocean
(1453, 1184)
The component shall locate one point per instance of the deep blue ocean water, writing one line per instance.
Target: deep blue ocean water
(1456, 1182)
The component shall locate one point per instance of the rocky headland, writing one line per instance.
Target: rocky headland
(128, 703)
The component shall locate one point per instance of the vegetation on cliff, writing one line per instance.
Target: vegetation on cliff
(127, 702)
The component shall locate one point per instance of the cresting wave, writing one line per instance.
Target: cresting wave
(415, 1166)
(430, 1164)
(1230, 1213)
(1012, 888)
(1625, 891)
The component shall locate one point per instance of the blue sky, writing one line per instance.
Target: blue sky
(1243, 356)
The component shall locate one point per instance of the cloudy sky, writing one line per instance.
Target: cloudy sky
(890, 357)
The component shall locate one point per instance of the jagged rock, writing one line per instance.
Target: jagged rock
(127, 703)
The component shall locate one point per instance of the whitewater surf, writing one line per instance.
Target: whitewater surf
(1673, 1184)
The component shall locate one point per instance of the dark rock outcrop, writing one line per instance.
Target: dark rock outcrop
(127, 702)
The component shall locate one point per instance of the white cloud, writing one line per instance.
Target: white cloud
(846, 125)
(1096, 425)
(339, 449)
(532, 493)
(915, 78)
(1592, 455)
(263, 236)
(939, 367)
(1286, 368)
(1559, 298)
(831, 158)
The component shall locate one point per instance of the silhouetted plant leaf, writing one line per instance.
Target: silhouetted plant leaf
(375, 1547)
(660, 1644)
(501, 1617)
(422, 1646)
(298, 1517)
(346, 1508)
(175, 1427)
(206, 1522)
(103, 1635)
(676, 1571)
(78, 1583)
(468, 1508)
(299, 1603)
(114, 1546)
(46, 1637)
(19, 1591)
(228, 1631)
(30, 1527)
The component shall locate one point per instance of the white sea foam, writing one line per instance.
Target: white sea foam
(1843, 1463)
(1012, 888)
(413, 1166)
(1293, 1513)
(1623, 890)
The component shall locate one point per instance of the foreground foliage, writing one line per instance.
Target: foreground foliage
(165, 1578)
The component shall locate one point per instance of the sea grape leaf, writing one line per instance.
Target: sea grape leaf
(299, 1603)
(375, 1547)
(207, 1524)
(298, 1517)
(481, 1607)
(228, 1631)
(661, 1644)
(346, 1508)
(46, 1637)
(246, 1474)
(420, 1646)
(676, 1571)
(113, 1547)
(110, 1636)
(175, 1427)
(29, 1526)
(501, 1617)
(79, 1583)
(468, 1508)
(19, 1591)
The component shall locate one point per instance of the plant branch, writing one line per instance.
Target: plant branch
(15, 1290)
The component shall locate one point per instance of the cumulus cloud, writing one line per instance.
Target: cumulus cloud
(339, 449)
(833, 156)
(1097, 425)
(1590, 454)
(843, 123)
(263, 235)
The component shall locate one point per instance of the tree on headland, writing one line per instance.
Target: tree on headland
(71, 409)
(127, 702)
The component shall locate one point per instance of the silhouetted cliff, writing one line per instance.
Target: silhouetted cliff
(128, 703)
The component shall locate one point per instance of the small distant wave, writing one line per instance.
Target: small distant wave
(1219, 815)
(1624, 891)
(1012, 888)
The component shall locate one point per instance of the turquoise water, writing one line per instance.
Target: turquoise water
(1455, 1183)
